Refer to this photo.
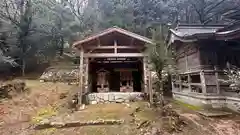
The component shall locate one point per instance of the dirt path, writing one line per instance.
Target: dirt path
(18, 115)
(229, 125)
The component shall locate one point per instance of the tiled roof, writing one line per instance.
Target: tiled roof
(190, 33)
(190, 30)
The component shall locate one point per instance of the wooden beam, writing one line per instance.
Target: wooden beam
(98, 45)
(113, 47)
(91, 49)
(119, 30)
(105, 55)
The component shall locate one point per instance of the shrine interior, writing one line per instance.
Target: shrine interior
(116, 75)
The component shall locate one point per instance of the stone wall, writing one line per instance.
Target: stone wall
(211, 101)
(61, 74)
(114, 97)
(188, 98)
(233, 103)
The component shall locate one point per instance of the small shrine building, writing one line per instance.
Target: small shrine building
(113, 60)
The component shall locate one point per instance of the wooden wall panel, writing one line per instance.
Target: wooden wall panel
(187, 58)
(181, 64)
(193, 61)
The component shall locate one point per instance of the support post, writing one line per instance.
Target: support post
(189, 83)
(203, 82)
(86, 73)
(80, 77)
(180, 83)
(145, 74)
(150, 88)
(186, 56)
(115, 46)
(217, 82)
(189, 77)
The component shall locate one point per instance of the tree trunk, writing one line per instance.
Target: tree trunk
(161, 98)
(23, 66)
(62, 45)
(161, 93)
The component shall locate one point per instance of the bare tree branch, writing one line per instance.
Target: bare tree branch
(200, 14)
(210, 8)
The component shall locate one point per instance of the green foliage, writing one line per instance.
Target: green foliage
(43, 114)
(192, 107)
(161, 59)
(162, 63)
(41, 28)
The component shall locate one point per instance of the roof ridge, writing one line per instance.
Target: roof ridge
(112, 29)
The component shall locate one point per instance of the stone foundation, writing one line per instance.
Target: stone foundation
(233, 103)
(209, 101)
(114, 97)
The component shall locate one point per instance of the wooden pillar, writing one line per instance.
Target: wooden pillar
(189, 77)
(145, 74)
(216, 73)
(189, 83)
(203, 82)
(186, 57)
(217, 83)
(180, 83)
(80, 77)
(150, 88)
(115, 46)
(173, 88)
(86, 73)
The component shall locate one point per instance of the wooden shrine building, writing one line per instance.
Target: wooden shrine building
(113, 61)
(202, 53)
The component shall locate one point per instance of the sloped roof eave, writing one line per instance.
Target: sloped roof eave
(193, 37)
(110, 30)
(226, 35)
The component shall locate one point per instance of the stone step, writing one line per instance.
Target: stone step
(214, 113)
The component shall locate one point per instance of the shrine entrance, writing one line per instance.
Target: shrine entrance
(113, 61)
(116, 74)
